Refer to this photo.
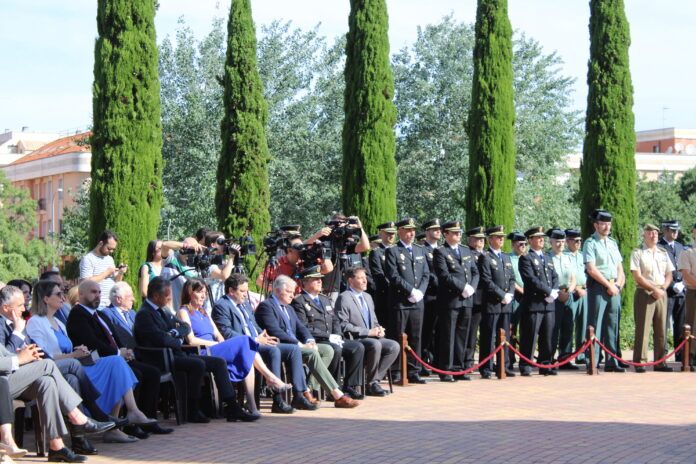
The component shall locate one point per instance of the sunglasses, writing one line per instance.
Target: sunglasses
(57, 294)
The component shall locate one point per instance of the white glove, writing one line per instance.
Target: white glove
(468, 291)
(554, 294)
(678, 287)
(416, 296)
(549, 299)
(508, 298)
(336, 339)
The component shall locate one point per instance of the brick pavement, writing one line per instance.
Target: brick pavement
(571, 418)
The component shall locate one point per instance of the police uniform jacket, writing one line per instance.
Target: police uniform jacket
(431, 293)
(453, 273)
(498, 278)
(539, 277)
(478, 296)
(674, 257)
(405, 273)
(376, 261)
(321, 320)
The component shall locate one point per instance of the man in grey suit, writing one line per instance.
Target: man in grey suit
(356, 311)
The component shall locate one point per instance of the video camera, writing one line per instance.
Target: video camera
(313, 253)
(245, 242)
(343, 234)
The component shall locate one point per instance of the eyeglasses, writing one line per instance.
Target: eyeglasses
(521, 244)
(57, 294)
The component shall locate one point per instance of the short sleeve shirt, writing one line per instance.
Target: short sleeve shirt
(652, 264)
(91, 265)
(687, 261)
(604, 254)
(516, 269)
(577, 261)
(564, 268)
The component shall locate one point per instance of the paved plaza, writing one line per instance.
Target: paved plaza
(571, 418)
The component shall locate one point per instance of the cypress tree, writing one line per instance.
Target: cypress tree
(369, 164)
(490, 190)
(608, 169)
(242, 199)
(126, 192)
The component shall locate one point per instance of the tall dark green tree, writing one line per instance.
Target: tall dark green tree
(491, 186)
(608, 169)
(126, 192)
(369, 164)
(242, 198)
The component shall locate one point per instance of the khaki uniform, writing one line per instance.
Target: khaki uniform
(687, 261)
(653, 266)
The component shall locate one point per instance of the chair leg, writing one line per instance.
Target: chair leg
(389, 378)
(19, 426)
(38, 432)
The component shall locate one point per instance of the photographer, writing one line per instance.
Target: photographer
(223, 260)
(348, 240)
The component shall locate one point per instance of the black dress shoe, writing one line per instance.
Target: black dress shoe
(663, 368)
(415, 379)
(525, 372)
(136, 431)
(300, 402)
(425, 372)
(640, 370)
(569, 367)
(235, 413)
(510, 373)
(447, 378)
(396, 378)
(155, 429)
(614, 369)
(91, 427)
(281, 407)
(623, 364)
(197, 417)
(486, 374)
(120, 422)
(64, 455)
(353, 393)
(374, 389)
(81, 445)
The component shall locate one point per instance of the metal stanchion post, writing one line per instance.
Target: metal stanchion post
(592, 367)
(501, 355)
(686, 355)
(404, 360)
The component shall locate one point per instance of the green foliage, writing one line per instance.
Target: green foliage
(608, 169)
(660, 200)
(242, 197)
(687, 185)
(74, 240)
(547, 201)
(369, 165)
(20, 256)
(126, 191)
(491, 186)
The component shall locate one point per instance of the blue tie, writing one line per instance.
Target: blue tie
(365, 311)
(317, 302)
(287, 321)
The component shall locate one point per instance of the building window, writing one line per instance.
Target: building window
(656, 149)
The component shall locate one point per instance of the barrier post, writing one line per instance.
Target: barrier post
(592, 367)
(687, 349)
(501, 355)
(404, 361)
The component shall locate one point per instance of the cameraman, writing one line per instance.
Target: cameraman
(290, 264)
(341, 231)
(223, 259)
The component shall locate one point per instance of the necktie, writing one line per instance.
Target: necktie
(317, 302)
(105, 330)
(365, 311)
(457, 252)
(410, 251)
(247, 320)
(124, 315)
(287, 320)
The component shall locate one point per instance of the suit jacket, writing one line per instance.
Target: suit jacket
(376, 260)
(270, 317)
(539, 279)
(350, 315)
(153, 330)
(478, 295)
(7, 339)
(498, 278)
(406, 273)
(84, 329)
(229, 322)
(123, 333)
(5, 361)
(368, 273)
(674, 257)
(453, 273)
(431, 293)
(321, 320)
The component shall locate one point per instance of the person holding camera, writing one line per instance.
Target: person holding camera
(98, 265)
(223, 259)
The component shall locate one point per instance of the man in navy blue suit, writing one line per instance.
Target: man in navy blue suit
(233, 317)
(277, 316)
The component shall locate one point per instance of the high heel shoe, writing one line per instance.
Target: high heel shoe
(12, 452)
(280, 387)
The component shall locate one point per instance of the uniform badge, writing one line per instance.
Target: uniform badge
(536, 262)
(329, 308)
(450, 257)
(307, 307)
(402, 256)
(384, 258)
(430, 255)
(494, 263)
(403, 268)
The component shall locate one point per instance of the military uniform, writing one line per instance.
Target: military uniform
(455, 268)
(406, 269)
(476, 310)
(675, 299)
(565, 315)
(430, 312)
(687, 262)
(538, 312)
(603, 309)
(380, 295)
(579, 303)
(498, 282)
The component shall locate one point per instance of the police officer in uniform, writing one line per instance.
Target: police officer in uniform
(476, 238)
(458, 276)
(519, 247)
(563, 329)
(675, 291)
(433, 234)
(406, 269)
(386, 233)
(538, 312)
(606, 279)
(579, 298)
(498, 281)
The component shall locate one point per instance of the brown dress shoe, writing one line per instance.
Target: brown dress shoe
(309, 397)
(346, 402)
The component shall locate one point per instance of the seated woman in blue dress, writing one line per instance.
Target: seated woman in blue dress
(111, 375)
(241, 353)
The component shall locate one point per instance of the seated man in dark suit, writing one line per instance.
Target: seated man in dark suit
(356, 311)
(158, 328)
(233, 317)
(99, 333)
(279, 319)
(315, 311)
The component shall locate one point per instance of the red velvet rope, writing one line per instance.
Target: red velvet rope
(464, 372)
(647, 364)
(577, 353)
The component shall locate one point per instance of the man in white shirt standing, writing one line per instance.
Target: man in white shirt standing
(98, 265)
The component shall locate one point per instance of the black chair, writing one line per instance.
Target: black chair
(176, 393)
(212, 406)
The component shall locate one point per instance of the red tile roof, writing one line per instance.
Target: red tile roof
(71, 144)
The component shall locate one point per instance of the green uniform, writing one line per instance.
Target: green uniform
(604, 310)
(515, 317)
(563, 328)
(579, 303)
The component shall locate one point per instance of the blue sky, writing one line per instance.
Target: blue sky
(46, 47)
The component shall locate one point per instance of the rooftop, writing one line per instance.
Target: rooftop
(72, 144)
